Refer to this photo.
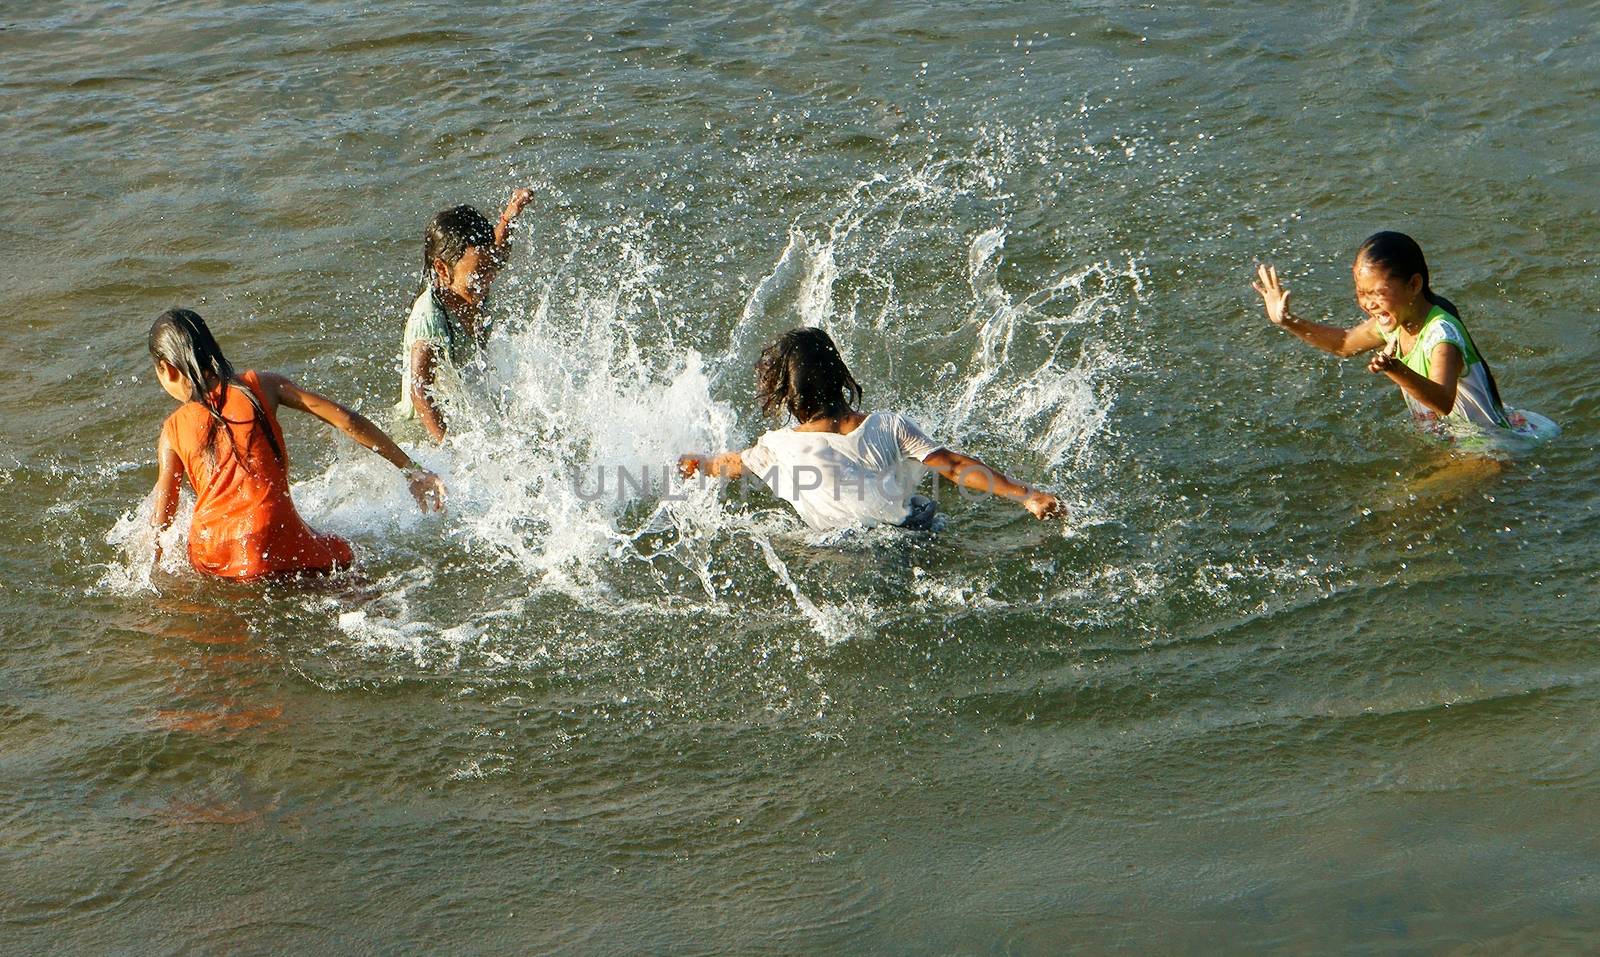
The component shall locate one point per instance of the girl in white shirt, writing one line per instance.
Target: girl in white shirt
(840, 467)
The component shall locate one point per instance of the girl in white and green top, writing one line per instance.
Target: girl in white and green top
(1426, 349)
(461, 255)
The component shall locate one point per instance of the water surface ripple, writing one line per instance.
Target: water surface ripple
(1291, 679)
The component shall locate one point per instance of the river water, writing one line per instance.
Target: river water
(1291, 678)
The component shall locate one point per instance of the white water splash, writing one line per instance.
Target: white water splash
(136, 541)
(586, 381)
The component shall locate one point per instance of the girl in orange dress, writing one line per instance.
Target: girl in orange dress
(226, 440)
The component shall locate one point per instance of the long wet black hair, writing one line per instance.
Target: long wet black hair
(180, 338)
(449, 234)
(803, 374)
(1400, 257)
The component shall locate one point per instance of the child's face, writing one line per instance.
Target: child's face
(469, 278)
(1383, 297)
(172, 380)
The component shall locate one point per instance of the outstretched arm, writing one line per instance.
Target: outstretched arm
(1438, 392)
(423, 357)
(728, 465)
(1334, 339)
(500, 253)
(425, 486)
(968, 472)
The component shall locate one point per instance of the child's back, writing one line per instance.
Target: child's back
(245, 524)
(841, 468)
(866, 476)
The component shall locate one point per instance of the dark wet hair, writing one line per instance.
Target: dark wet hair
(803, 374)
(449, 234)
(1401, 257)
(180, 338)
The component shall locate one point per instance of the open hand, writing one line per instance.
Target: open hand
(1273, 295)
(1044, 505)
(426, 489)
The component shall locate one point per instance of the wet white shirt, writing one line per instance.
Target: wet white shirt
(838, 481)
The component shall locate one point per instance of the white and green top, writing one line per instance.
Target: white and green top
(430, 322)
(1475, 401)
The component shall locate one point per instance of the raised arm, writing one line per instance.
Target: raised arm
(502, 230)
(1437, 392)
(968, 472)
(423, 358)
(425, 486)
(1334, 339)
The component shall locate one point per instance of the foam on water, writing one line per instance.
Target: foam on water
(136, 540)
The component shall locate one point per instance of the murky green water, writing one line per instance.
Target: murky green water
(1291, 679)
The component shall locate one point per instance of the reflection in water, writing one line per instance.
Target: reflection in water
(216, 687)
(228, 813)
(1456, 476)
(231, 718)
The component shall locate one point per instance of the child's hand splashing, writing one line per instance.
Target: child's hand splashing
(1044, 505)
(426, 488)
(1385, 360)
(1273, 295)
(725, 466)
(520, 197)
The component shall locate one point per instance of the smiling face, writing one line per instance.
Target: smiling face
(1388, 300)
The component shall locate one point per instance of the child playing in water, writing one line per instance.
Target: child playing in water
(1427, 350)
(225, 438)
(840, 467)
(461, 255)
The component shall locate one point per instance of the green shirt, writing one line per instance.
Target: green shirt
(429, 322)
(1475, 402)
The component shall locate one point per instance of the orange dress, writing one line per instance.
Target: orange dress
(245, 524)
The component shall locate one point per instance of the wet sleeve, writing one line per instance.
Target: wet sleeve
(912, 441)
(426, 324)
(759, 461)
(1444, 332)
